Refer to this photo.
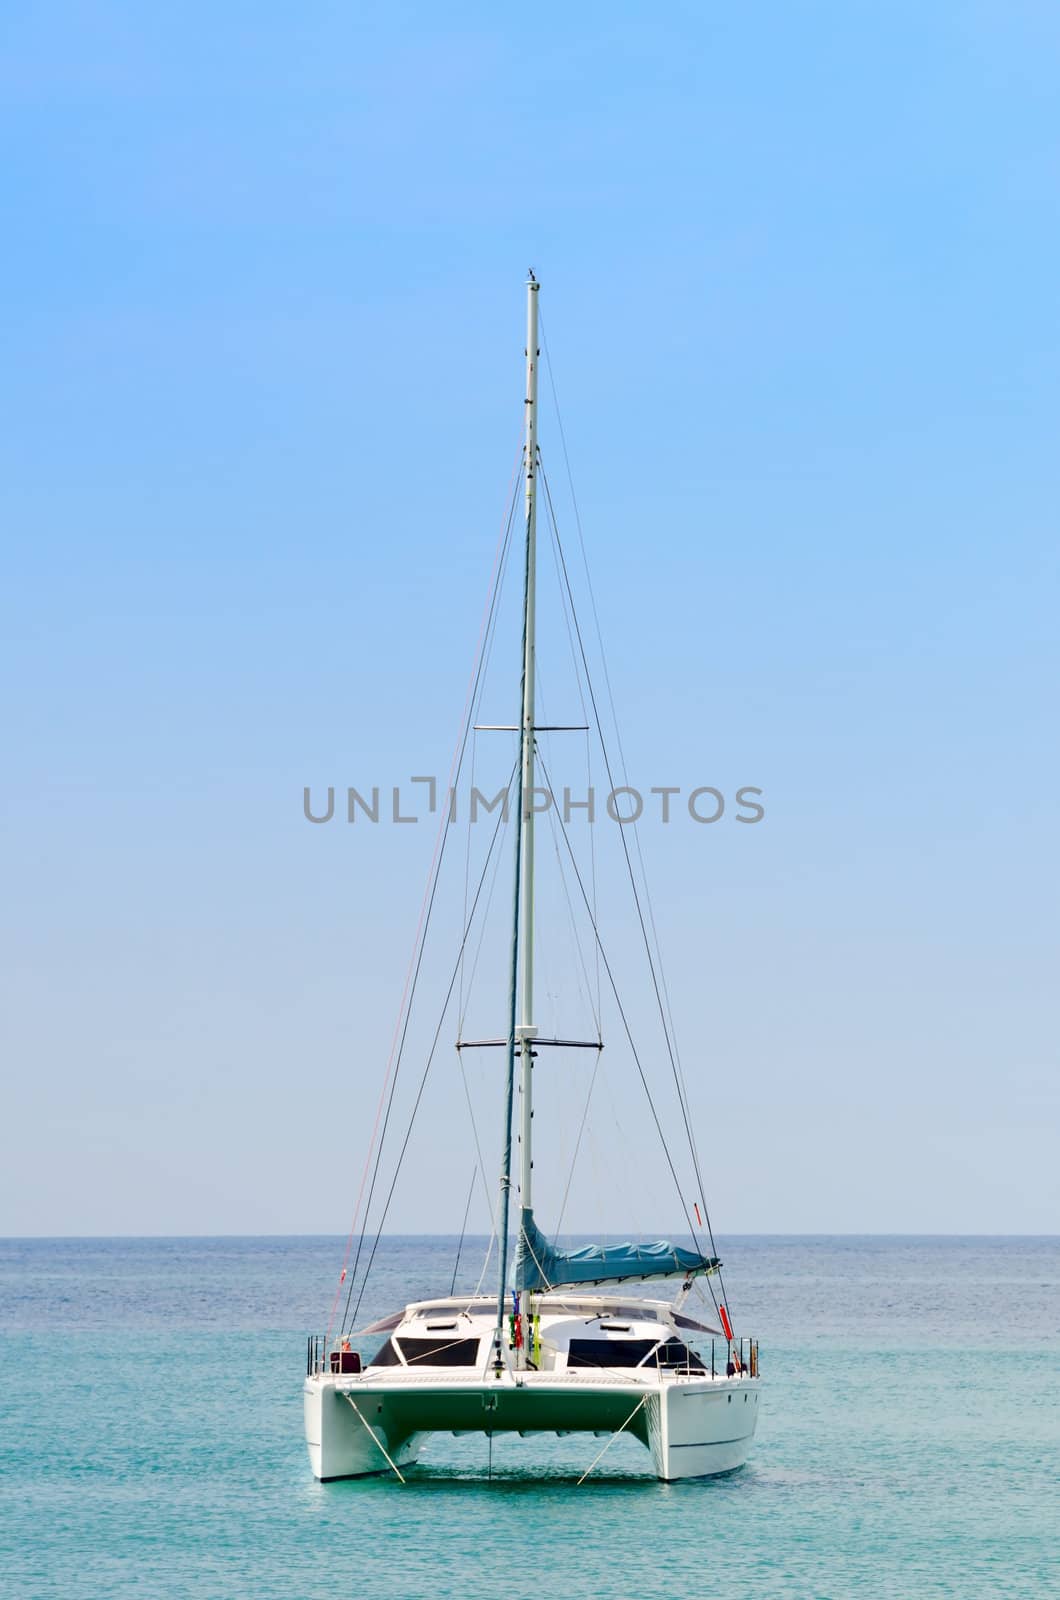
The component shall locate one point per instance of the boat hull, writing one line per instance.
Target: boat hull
(692, 1427)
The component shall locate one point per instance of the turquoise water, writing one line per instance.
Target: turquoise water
(151, 1436)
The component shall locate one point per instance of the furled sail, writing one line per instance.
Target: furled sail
(539, 1264)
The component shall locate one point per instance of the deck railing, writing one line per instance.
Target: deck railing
(728, 1358)
(319, 1357)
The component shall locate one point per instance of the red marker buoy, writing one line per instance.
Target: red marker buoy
(726, 1324)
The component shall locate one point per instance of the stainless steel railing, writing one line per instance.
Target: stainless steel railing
(728, 1358)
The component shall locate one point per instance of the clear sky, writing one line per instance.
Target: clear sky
(262, 281)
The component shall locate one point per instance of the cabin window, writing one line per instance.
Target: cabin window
(682, 1321)
(386, 1357)
(608, 1352)
(440, 1352)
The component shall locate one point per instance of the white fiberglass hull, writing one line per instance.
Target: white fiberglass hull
(693, 1426)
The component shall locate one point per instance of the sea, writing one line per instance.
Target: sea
(151, 1436)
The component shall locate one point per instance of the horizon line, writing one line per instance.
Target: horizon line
(61, 1238)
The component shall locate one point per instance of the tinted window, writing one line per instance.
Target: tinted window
(440, 1352)
(690, 1322)
(387, 1356)
(608, 1352)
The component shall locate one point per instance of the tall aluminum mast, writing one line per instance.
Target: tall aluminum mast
(521, 996)
(526, 1030)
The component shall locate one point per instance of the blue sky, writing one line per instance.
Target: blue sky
(263, 290)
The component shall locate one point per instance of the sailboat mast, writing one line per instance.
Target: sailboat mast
(526, 1029)
(521, 994)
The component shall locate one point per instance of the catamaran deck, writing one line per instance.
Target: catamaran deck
(592, 1374)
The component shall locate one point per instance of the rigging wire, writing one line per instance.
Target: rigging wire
(423, 1079)
(474, 1124)
(487, 655)
(574, 929)
(578, 1140)
(669, 1017)
(467, 887)
(415, 961)
(549, 812)
(393, 1083)
(487, 637)
(677, 1075)
(463, 1230)
(626, 1027)
(476, 1292)
(567, 610)
(481, 940)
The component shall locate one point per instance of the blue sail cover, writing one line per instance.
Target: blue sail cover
(540, 1265)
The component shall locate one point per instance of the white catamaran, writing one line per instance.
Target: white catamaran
(542, 1354)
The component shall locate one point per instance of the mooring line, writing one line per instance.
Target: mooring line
(379, 1443)
(612, 1439)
